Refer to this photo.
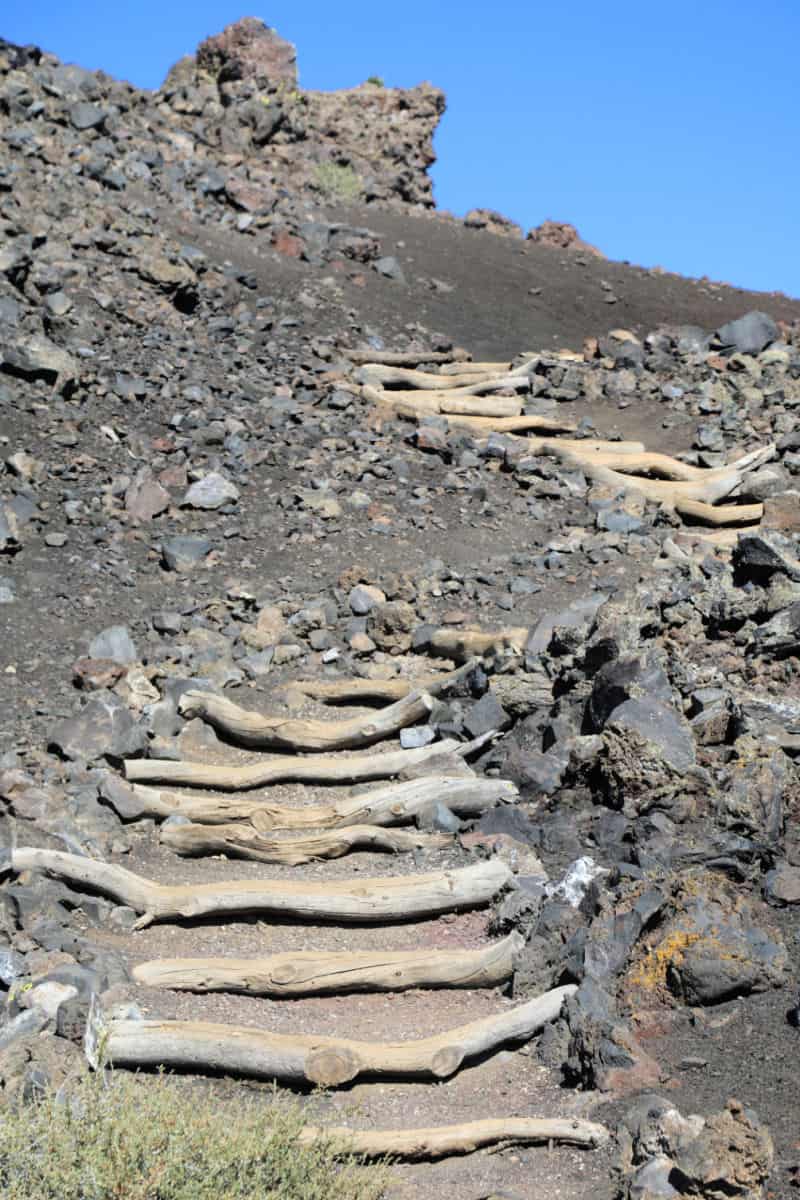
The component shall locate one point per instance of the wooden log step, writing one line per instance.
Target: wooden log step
(463, 642)
(239, 839)
(385, 376)
(440, 1141)
(371, 901)
(252, 729)
(313, 974)
(246, 728)
(320, 768)
(410, 358)
(394, 804)
(304, 1059)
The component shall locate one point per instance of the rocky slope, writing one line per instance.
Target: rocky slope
(198, 491)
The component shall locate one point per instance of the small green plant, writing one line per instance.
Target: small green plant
(123, 1137)
(337, 182)
(377, 81)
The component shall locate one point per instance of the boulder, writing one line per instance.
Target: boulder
(249, 50)
(104, 728)
(390, 626)
(749, 334)
(727, 1156)
(715, 946)
(649, 760)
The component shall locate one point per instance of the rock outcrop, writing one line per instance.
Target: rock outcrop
(241, 94)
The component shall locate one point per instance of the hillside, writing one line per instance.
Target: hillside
(219, 486)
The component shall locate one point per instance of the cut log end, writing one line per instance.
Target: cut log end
(446, 1061)
(329, 1066)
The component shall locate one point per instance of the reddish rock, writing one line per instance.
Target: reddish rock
(782, 512)
(562, 236)
(249, 50)
(642, 1076)
(174, 477)
(249, 196)
(145, 498)
(716, 362)
(495, 222)
(288, 244)
(96, 674)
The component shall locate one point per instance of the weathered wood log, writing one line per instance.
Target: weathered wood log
(466, 402)
(709, 487)
(327, 1061)
(380, 691)
(419, 404)
(456, 358)
(480, 426)
(240, 839)
(475, 368)
(313, 974)
(481, 406)
(387, 377)
(555, 445)
(440, 1141)
(720, 514)
(360, 691)
(317, 768)
(259, 732)
(647, 463)
(395, 804)
(461, 643)
(252, 729)
(699, 538)
(413, 409)
(362, 900)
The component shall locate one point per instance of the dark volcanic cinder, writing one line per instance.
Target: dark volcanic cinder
(426, 549)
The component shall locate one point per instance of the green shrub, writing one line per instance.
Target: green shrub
(337, 182)
(376, 81)
(126, 1138)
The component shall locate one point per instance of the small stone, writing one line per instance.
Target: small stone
(210, 492)
(48, 997)
(58, 303)
(417, 735)
(286, 654)
(363, 599)
(782, 886)
(438, 818)
(362, 643)
(55, 540)
(167, 622)
(185, 552)
(782, 512)
(115, 643)
(146, 498)
(486, 715)
(84, 116)
(96, 674)
(268, 629)
(390, 268)
(122, 917)
(258, 664)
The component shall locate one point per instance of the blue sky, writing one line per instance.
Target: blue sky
(669, 133)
